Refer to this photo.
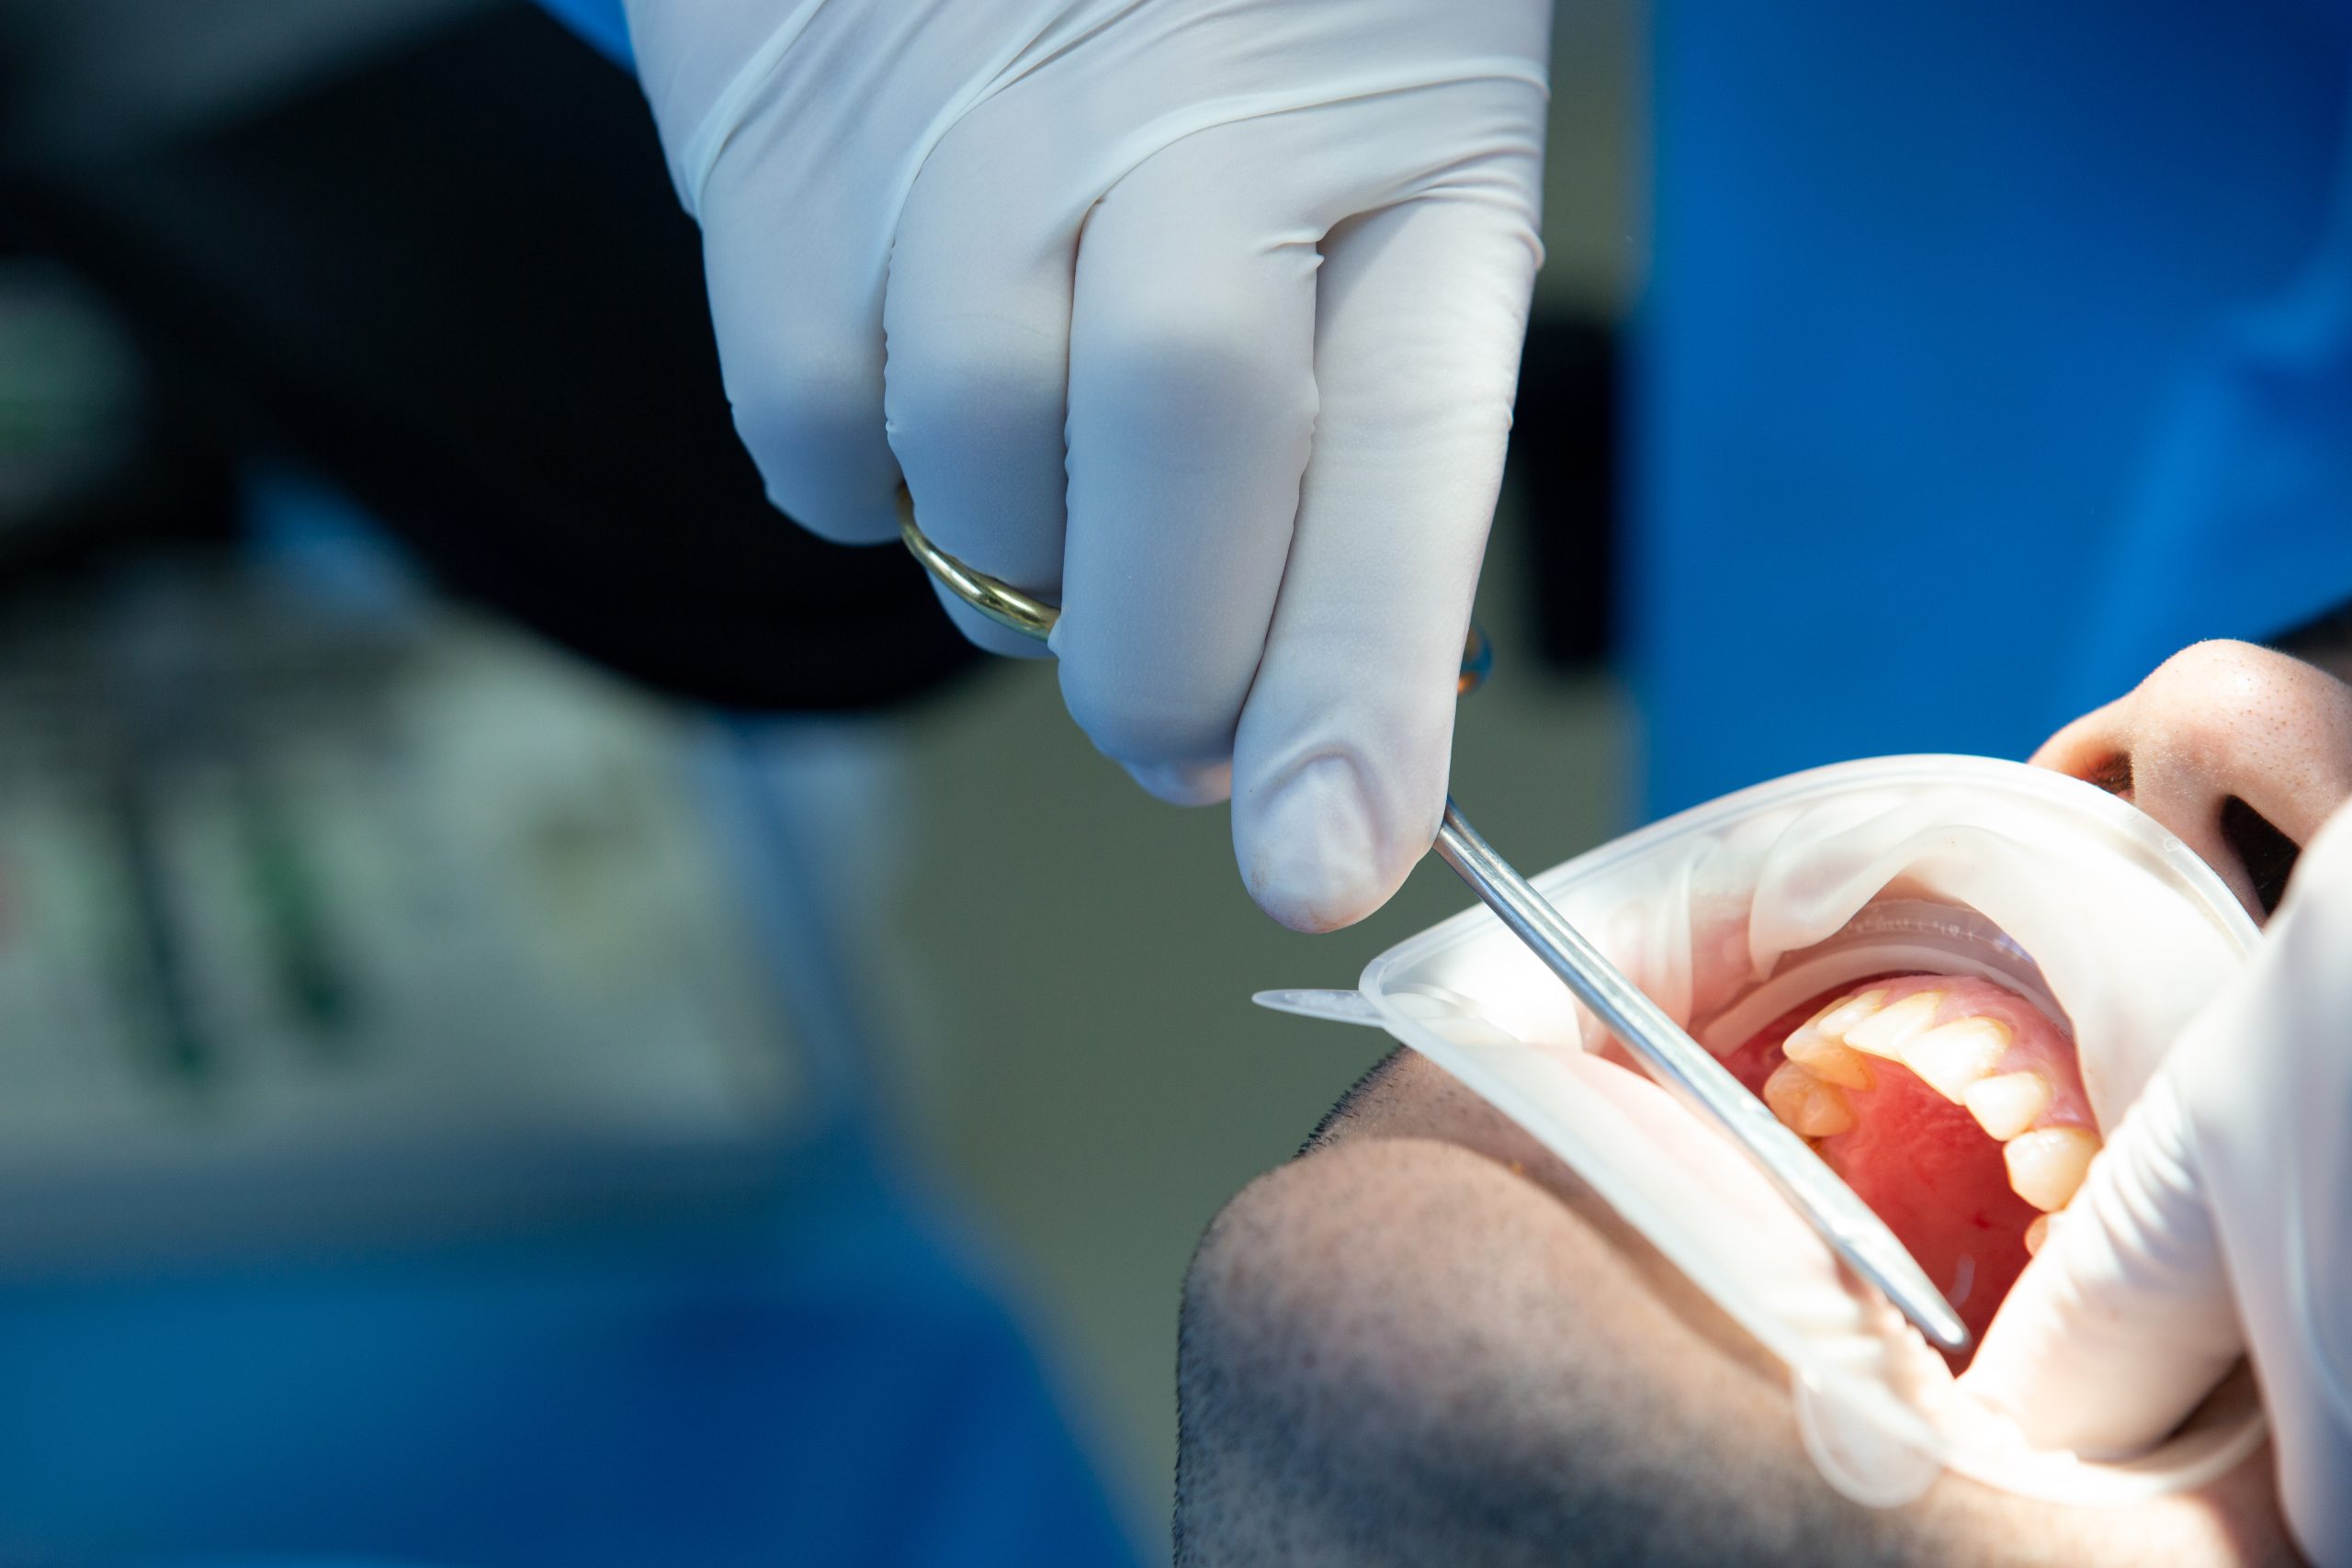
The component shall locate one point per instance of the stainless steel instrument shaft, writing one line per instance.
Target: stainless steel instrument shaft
(1679, 1063)
(1689, 1071)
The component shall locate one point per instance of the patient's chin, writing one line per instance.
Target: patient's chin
(1387, 1298)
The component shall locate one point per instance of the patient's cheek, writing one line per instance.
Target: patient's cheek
(1950, 1105)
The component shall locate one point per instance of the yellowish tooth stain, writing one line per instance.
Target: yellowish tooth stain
(1953, 1055)
(1829, 1061)
(2036, 1234)
(2047, 1165)
(1833, 1021)
(1804, 1104)
(1884, 1033)
(2008, 1103)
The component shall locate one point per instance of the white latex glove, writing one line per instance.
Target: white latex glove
(1201, 315)
(2218, 1221)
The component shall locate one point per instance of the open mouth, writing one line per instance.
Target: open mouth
(1951, 1106)
(1927, 967)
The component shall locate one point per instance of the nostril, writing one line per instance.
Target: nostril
(2267, 855)
(2114, 776)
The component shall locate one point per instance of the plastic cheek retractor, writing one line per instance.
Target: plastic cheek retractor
(1733, 913)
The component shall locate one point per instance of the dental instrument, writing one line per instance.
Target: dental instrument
(1690, 1072)
(1677, 1062)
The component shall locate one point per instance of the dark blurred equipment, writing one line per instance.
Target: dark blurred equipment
(1564, 464)
(95, 456)
(487, 326)
(328, 911)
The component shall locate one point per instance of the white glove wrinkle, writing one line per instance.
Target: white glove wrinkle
(1147, 141)
(690, 168)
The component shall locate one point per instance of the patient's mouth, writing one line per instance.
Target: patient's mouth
(1950, 1104)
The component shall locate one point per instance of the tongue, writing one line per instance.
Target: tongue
(1924, 1167)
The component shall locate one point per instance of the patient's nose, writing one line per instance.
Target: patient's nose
(2241, 751)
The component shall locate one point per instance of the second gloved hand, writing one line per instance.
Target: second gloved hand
(1202, 316)
(2213, 1226)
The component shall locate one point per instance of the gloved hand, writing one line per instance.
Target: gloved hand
(1202, 315)
(2213, 1225)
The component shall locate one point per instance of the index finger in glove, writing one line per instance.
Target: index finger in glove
(1192, 408)
(1342, 758)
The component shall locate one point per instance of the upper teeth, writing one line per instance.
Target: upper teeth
(1840, 1064)
(2047, 1165)
(1839, 1017)
(1959, 1059)
(2007, 1104)
(1804, 1104)
(1882, 1034)
(1953, 1055)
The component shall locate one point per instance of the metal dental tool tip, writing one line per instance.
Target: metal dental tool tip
(1693, 1075)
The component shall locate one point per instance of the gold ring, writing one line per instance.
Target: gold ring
(992, 596)
(1033, 617)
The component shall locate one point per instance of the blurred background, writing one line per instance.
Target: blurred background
(545, 1017)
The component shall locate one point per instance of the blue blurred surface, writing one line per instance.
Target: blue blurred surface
(1942, 424)
(816, 1380)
